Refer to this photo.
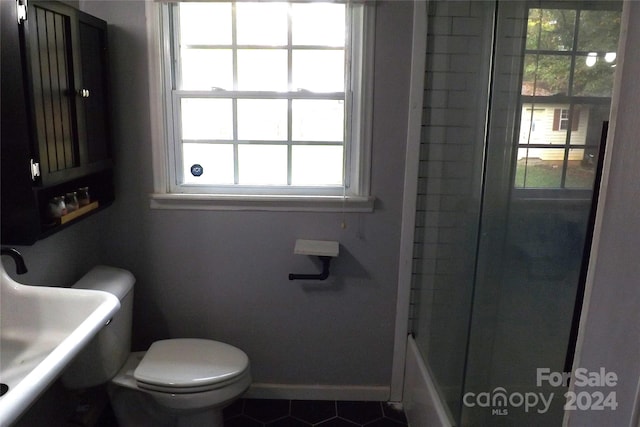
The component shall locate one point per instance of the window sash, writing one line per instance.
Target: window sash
(567, 114)
(355, 177)
(236, 141)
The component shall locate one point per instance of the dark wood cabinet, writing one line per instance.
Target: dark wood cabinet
(55, 115)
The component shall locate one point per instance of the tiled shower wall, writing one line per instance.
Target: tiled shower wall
(449, 185)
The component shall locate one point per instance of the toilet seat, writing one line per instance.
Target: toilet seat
(189, 365)
(180, 399)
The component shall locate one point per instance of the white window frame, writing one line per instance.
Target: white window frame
(563, 124)
(354, 196)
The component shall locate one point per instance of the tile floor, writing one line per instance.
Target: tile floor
(295, 413)
(311, 413)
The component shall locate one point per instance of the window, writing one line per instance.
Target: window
(561, 119)
(568, 66)
(266, 98)
(564, 119)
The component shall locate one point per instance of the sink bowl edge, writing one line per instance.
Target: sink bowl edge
(24, 391)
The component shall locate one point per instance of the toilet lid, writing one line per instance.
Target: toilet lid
(188, 362)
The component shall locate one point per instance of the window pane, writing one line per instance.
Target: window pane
(318, 70)
(207, 118)
(205, 23)
(216, 161)
(317, 120)
(539, 124)
(262, 24)
(591, 119)
(599, 31)
(580, 126)
(317, 165)
(550, 29)
(593, 76)
(543, 124)
(581, 169)
(318, 24)
(205, 69)
(262, 164)
(549, 74)
(262, 119)
(262, 70)
(539, 168)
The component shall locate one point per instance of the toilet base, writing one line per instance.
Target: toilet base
(134, 408)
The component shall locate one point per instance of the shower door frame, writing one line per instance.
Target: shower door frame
(410, 196)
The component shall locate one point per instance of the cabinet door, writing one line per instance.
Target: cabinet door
(93, 114)
(19, 217)
(49, 31)
(67, 62)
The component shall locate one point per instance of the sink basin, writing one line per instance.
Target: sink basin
(42, 329)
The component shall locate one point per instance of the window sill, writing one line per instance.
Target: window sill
(224, 202)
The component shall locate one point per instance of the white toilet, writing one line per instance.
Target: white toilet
(176, 382)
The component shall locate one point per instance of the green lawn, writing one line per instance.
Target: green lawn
(548, 174)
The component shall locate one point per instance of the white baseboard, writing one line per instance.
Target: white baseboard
(317, 392)
(421, 402)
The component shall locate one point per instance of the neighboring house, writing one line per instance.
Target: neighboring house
(547, 124)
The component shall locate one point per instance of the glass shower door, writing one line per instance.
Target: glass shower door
(550, 98)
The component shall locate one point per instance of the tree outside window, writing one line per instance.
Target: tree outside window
(568, 67)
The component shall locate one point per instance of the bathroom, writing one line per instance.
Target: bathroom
(222, 274)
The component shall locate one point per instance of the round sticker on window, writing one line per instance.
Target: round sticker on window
(196, 170)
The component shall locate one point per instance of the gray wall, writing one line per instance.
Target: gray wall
(223, 275)
(64, 257)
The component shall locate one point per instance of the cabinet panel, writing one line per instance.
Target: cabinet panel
(51, 63)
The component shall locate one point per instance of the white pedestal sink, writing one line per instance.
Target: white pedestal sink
(42, 330)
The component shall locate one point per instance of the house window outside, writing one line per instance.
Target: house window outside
(568, 66)
(564, 119)
(266, 98)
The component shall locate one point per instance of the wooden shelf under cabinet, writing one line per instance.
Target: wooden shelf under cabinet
(78, 212)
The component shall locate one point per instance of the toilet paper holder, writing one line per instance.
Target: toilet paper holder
(323, 249)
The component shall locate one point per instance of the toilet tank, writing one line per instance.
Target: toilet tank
(102, 358)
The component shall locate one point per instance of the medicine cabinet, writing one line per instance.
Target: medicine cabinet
(55, 116)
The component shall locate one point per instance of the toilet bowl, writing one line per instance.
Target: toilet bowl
(179, 396)
(180, 382)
